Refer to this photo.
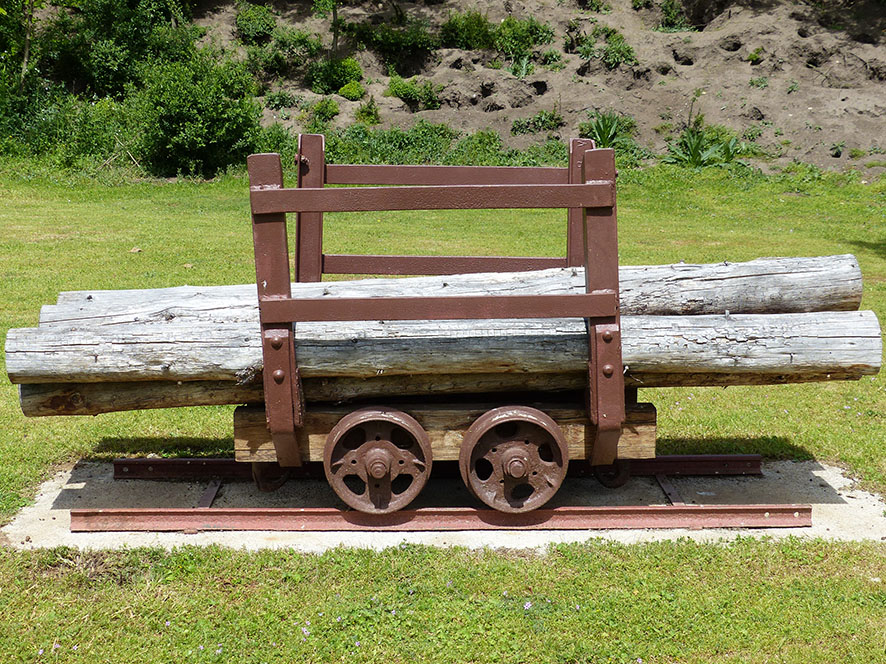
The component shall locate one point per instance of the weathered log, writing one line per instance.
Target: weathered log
(184, 350)
(766, 285)
(377, 359)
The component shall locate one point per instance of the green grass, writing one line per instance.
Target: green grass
(747, 601)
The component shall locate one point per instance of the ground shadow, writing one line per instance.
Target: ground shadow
(878, 248)
(92, 484)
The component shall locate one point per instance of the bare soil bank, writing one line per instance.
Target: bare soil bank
(813, 90)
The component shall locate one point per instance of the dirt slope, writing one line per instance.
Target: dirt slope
(820, 81)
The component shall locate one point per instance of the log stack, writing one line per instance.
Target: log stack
(767, 321)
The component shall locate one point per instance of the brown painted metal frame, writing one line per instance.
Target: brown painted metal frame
(586, 188)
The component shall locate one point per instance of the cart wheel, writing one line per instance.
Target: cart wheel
(269, 476)
(514, 458)
(377, 459)
(615, 475)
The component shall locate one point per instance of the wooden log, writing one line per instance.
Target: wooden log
(446, 425)
(658, 352)
(837, 343)
(765, 285)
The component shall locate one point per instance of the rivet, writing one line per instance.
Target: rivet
(607, 336)
(278, 376)
(277, 342)
(608, 370)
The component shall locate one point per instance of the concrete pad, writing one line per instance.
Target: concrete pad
(840, 511)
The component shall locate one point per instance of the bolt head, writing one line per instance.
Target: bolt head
(608, 370)
(276, 343)
(278, 376)
(607, 336)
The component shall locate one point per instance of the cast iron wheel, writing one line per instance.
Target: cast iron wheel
(514, 458)
(377, 459)
(614, 476)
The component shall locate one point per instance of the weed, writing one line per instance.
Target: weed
(664, 129)
(856, 153)
(522, 67)
(352, 91)
(606, 128)
(875, 164)
(418, 95)
(541, 121)
(553, 60)
(761, 82)
(281, 99)
(793, 86)
(637, 5)
(367, 113)
(615, 50)
(755, 57)
(599, 6)
(517, 37)
(836, 149)
(752, 133)
(673, 18)
(692, 150)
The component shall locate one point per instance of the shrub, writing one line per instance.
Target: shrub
(673, 18)
(470, 31)
(516, 37)
(288, 49)
(255, 23)
(281, 99)
(423, 143)
(325, 109)
(607, 128)
(367, 113)
(352, 91)
(418, 95)
(332, 74)
(197, 117)
(107, 43)
(277, 138)
(541, 121)
(400, 47)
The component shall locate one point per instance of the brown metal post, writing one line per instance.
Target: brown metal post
(309, 227)
(575, 256)
(605, 372)
(281, 384)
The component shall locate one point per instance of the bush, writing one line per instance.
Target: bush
(197, 117)
(516, 37)
(107, 43)
(288, 50)
(279, 139)
(325, 109)
(418, 95)
(255, 23)
(423, 143)
(401, 47)
(352, 91)
(367, 113)
(332, 74)
(470, 31)
(541, 121)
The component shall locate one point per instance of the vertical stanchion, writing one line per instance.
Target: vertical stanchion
(309, 227)
(574, 235)
(282, 387)
(606, 403)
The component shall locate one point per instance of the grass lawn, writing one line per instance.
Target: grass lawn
(748, 601)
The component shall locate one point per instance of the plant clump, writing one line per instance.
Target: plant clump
(417, 94)
(255, 23)
(614, 51)
(288, 50)
(399, 46)
(330, 75)
(368, 113)
(352, 91)
(471, 31)
(673, 17)
(541, 121)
